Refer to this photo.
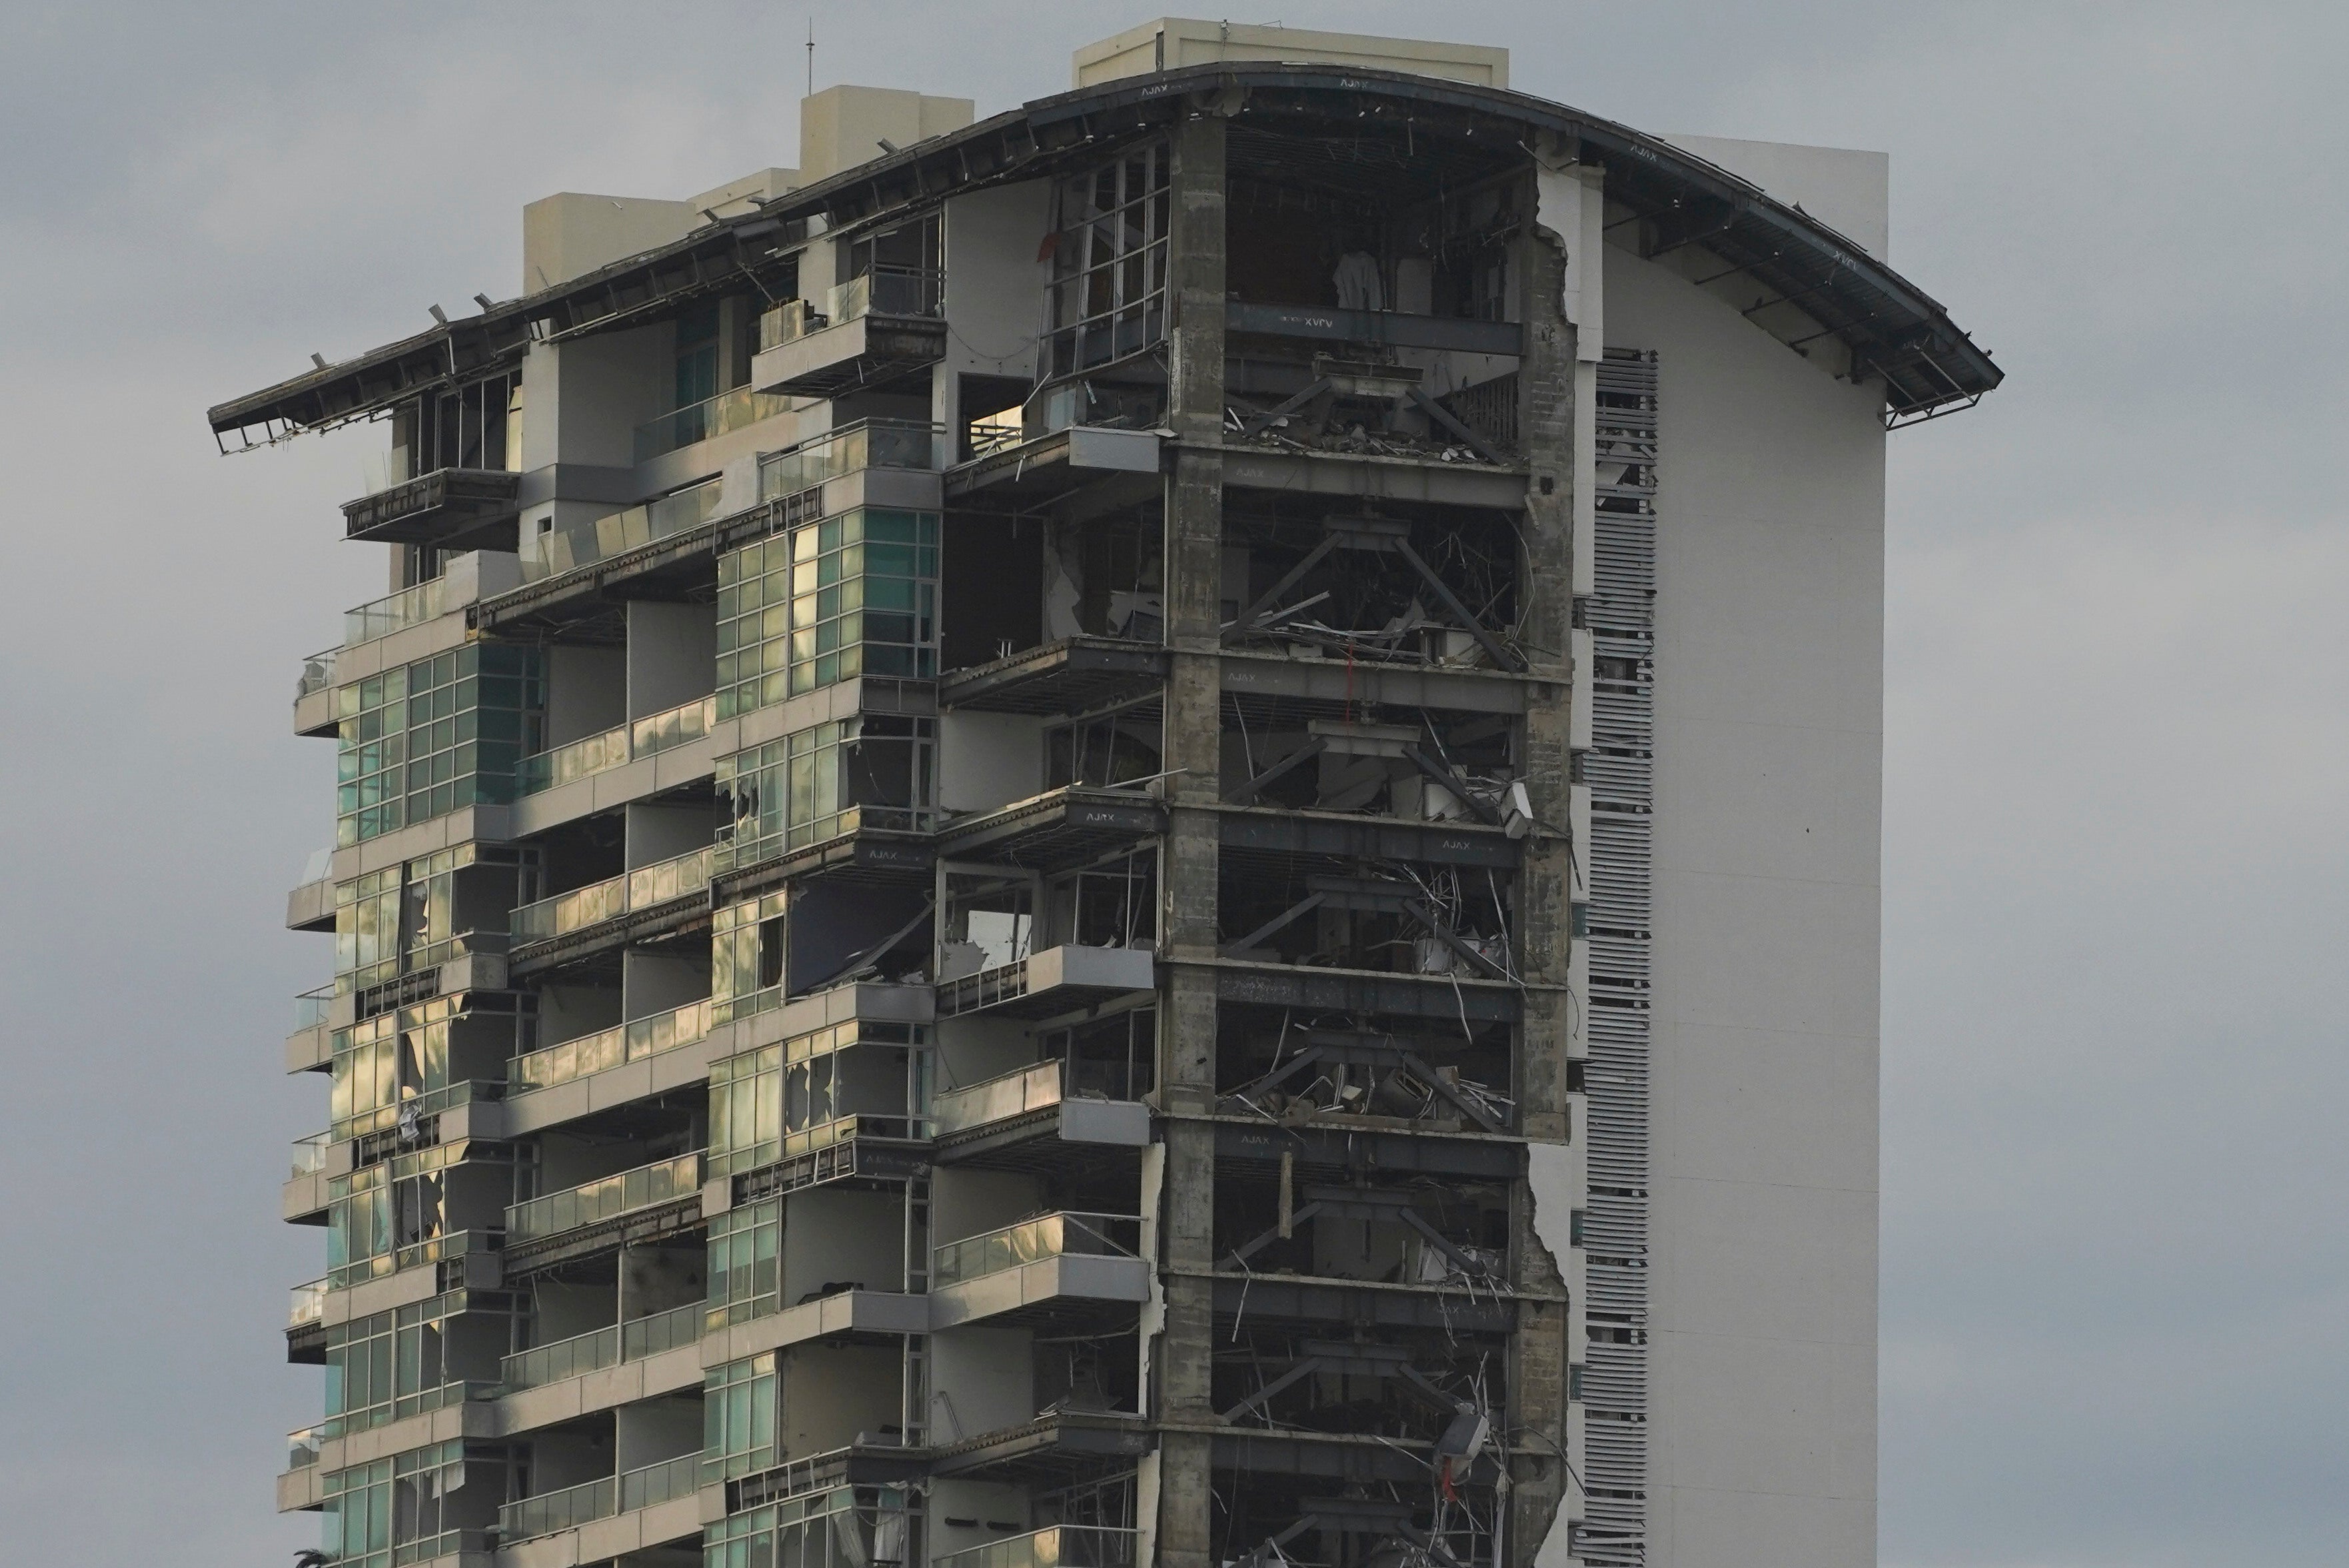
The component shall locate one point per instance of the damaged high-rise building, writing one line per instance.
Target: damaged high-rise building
(1143, 833)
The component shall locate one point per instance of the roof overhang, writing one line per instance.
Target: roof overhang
(1680, 203)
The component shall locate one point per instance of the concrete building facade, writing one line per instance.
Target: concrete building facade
(1141, 833)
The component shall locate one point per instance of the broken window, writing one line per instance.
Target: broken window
(1104, 577)
(1107, 300)
(1124, 747)
(476, 425)
(1107, 1059)
(391, 1069)
(899, 271)
(874, 770)
(761, 1100)
(995, 916)
(746, 957)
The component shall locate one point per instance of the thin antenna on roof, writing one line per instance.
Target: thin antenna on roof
(810, 92)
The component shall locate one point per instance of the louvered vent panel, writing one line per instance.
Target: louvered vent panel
(1620, 770)
(1615, 779)
(1619, 859)
(1616, 1375)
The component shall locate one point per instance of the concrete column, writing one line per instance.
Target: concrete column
(1539, 1351)
(1194, 525)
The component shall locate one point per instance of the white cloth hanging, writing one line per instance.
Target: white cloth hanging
(1360, 286)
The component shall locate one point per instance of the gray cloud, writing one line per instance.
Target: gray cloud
(2116, 850)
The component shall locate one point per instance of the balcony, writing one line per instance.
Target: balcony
(728, 412)
(313, 1007)
(1071, 676)
(454, 1246)
(895, 444)
(615, 748)
(979, 1104)
(302, 1448)
(652, 900)
(1056, 980)
(606, 1199)
(411, 1109)
(1038, 466)
(607, 1347)
(423, 1402)
(800, 1144)
(1067, 826)
(1052, 1268)
(1055, 1546)
(571, 545)
(630, 1042)
(1027, 1121)
(308, 1305)
(453, 509)
(413, 975)
(554, 1511)
(395, 611)
(317, 673)
(873, 331)
(874, 842)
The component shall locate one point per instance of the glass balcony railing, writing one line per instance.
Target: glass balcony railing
(310, 1154)
(301, 1447)
(1030, 1089)
(318, 674)
(659, 731)
(742, 850)
(605, 1198)
(308, 1304)
(409, 607)
(728, 411)
(601, 1498)
(573, 760)
(1034, 1241)
(311, 1007)
(613, 897)
(569, 545)
(552, 1362)
(804, 1140)
(422, 1402)
(430, 1102)
(662, 1331)
(424, 956)
(413, 1255)
(786, 323)
(887, 291)
(607, 1347)
(1054, 1546)
(630, 1042)
(593, 753)
(867, 444)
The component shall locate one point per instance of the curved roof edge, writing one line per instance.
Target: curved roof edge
(1890, 327)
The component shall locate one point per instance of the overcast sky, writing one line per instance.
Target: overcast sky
(2116, 1325)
